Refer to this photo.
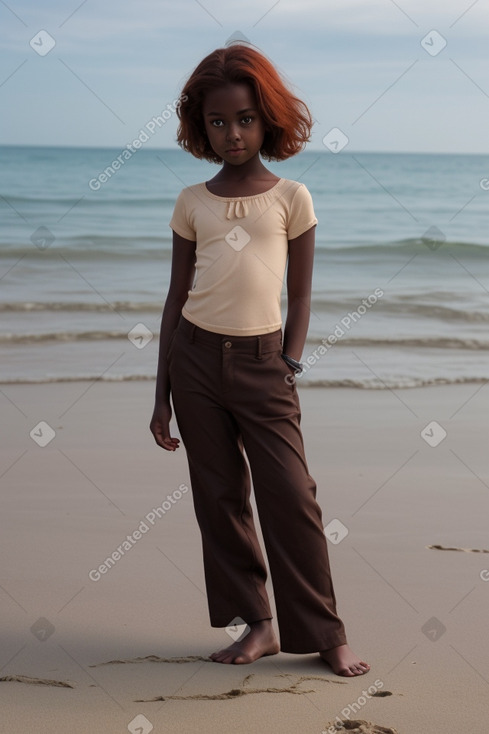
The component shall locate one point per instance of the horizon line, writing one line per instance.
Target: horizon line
(177, 148)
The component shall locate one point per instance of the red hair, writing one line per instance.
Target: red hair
(287, 119)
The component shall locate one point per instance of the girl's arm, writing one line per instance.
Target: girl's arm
(182, 277)
(299, 282)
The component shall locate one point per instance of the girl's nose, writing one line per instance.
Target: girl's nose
(233, 132)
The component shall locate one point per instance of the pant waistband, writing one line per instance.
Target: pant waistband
(258, 344)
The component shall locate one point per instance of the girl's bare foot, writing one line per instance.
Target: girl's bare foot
(259, 641)
(343, 661)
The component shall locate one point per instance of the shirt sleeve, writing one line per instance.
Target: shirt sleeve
(180, 220)
(301, 213)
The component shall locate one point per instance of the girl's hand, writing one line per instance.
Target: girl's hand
(160, 427)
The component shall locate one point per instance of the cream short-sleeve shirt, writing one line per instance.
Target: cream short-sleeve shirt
(241, 254)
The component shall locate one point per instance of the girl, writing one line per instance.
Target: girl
(231, 374)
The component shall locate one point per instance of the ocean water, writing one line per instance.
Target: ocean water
(401, 281)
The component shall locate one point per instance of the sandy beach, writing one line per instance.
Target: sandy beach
(102, 598)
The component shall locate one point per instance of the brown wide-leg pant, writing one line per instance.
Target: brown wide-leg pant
(230, 393)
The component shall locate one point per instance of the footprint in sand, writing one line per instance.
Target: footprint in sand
(35, 681)
(359, 726)
(243, 690)
(155, 659)
(465, 550)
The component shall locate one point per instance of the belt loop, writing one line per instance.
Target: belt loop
(258, 347)
(192, 334)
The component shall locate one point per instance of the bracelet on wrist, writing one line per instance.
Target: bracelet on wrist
(297, 366)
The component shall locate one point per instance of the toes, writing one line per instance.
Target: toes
(346, 669)
(222, 656)
(218, 657)
(360, 669)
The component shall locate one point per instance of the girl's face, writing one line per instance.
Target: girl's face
(233, 123)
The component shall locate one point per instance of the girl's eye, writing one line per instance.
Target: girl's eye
(246, 120)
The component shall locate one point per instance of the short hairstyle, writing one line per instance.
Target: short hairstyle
(287, 119)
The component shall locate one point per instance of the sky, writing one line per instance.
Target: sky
(390, 75)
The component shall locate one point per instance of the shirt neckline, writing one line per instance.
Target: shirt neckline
(236, 198)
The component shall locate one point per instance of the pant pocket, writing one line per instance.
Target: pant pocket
(287, 372)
